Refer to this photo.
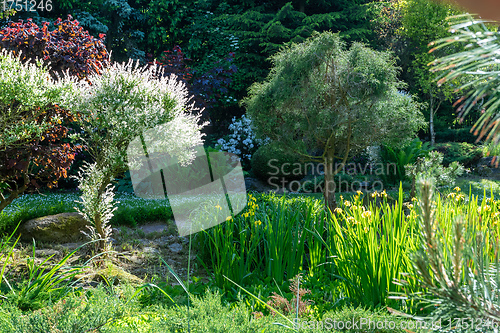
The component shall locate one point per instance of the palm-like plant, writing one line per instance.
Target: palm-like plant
(479, 62)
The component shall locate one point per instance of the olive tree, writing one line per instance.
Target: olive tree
(321, 95)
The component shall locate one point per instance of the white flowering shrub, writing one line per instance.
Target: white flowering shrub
(26, 91)
(27, 115)
(431, 167)
(116, 107)
(373, 153)
(242, 141)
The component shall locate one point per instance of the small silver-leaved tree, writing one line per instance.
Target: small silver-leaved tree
(113, 109)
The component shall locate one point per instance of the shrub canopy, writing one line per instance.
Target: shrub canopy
(321, 95)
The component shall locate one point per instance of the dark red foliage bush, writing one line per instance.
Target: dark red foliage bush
(68, 47)
(43, 160)
(46, 159)
(208, 87)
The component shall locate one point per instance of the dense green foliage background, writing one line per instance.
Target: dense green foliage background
(226, 44)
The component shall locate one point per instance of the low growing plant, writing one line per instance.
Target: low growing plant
(431, 167)
(401, 157)
(268, 239)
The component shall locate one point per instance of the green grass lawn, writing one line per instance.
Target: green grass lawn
(132, 210)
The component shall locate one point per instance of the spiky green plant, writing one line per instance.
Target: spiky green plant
(371, 248)
(458, 265)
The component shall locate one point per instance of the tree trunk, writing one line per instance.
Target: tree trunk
(14, 194)
(329, 185)
(431, 123)
(4, 202)
(98, 218)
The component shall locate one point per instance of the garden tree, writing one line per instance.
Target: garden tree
(263, 30)
(115, 108)
(66, 48)
(125, 29)
(198, 35)
(422, 21)
(123, 23)
(405, 27)
(320, 95)
(32, 128)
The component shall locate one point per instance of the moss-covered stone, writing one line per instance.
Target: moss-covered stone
(60, 228)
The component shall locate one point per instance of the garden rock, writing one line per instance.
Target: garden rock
(176, 247)
(47, 253)
(485, 167)
(60, 228)
(254, 184)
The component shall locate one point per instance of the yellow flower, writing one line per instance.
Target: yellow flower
(457, 189)
(229, 218)
(366, 229)
(338, 210)
(383, 194)
(486, 208)
(366, 214)
(258, 222)
(374, 194)
(218, 206)
(414, 199)
(347, 203)
(352, 220)
(341, 198)
(358, 192)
